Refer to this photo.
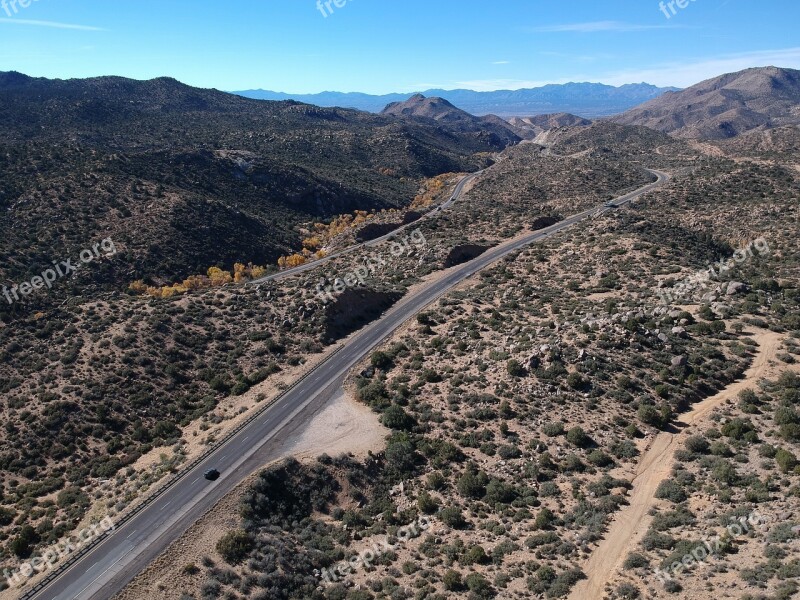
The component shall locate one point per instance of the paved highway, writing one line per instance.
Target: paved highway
(107, 567)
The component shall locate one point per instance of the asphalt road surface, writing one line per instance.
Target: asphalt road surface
(110, 565)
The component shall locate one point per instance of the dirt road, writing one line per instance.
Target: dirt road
(631, 523)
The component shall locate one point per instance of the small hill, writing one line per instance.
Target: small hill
(442, 111)
(543, 123)
(724, 107)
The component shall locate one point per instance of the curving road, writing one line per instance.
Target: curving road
(109, 565)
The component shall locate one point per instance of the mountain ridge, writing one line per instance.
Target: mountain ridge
(725, 106)
(585, 99)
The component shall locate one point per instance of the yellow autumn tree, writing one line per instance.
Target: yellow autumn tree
(295, 260)
(239, 273)
(312, 243)
(218, 276)
(138, 287)
(196, 282)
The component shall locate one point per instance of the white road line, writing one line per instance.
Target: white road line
(104, 572)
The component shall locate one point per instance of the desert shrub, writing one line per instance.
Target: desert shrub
(508, 452)
(373, 394)
(452, 581)
(472, 484)
(672, 491)
(577, 437)
(22, 545)
(545, 519)
(599, 458)
(480, 586)
(576, 381)
(6, 516)
(624, 449)
(785, 460)
(476, 556)
(549, 489)
(650, 415)
(436, 481)
(401, 456)
(725, 472)
(381, 360)
(781, 533)
(635, 560)
(395, 417)
(542, 539)
(515, 369)
(427, 503)
(655, 540)
(737, 429)
(697, 444)
(627, 591)
(234, 546)
(679, 517)
(452, 517)
(497, 491)
(564, 583)
(553, 429)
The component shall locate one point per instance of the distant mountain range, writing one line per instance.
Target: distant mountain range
(590, 100)
(725, 106)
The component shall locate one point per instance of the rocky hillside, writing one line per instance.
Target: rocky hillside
(440, 110)
(534, 126)
(183, 178)
(725, 106)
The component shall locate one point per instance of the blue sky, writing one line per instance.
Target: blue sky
(381, 46)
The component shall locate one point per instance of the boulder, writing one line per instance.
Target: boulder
(679, 361)
(735, 287)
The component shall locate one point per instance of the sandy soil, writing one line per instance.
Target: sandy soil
(344, 426)
(630, 524)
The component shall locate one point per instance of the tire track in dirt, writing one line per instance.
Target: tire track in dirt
(631, 523)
